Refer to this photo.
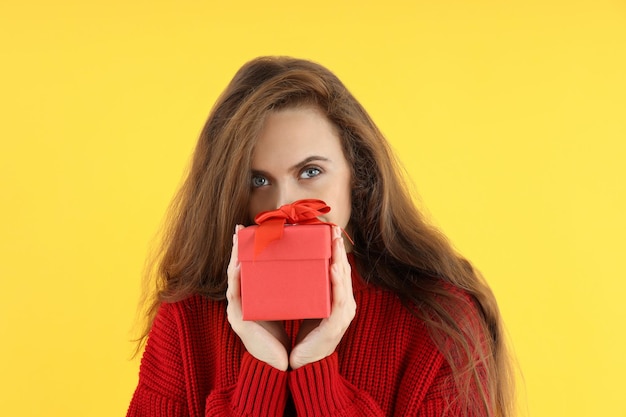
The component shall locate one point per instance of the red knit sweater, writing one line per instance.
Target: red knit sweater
(385, 365)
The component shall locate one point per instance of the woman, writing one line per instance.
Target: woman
(413, 329)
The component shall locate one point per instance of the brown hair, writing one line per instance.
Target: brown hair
(395, 247)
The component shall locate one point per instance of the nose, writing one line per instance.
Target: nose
(285, 194)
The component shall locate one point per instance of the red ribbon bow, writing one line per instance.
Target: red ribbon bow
(271, 223)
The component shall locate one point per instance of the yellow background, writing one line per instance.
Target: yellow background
(508, 115)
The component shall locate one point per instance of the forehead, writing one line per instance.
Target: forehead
(292, 134)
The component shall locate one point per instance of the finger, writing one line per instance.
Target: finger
(233, 269)
(344, 306)
(339, 254)
(340, 261)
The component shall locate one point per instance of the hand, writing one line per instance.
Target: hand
(267, 341)
(319, 339)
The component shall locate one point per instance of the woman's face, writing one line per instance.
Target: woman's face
(298, 155)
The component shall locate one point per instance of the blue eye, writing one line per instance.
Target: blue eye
(259, 181)
(310, 172)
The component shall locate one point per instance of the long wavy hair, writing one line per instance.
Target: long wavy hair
(395, 248)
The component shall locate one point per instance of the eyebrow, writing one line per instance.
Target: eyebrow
(306, 161)
(296, 167)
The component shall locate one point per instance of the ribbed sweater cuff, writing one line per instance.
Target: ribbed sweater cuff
(261, 389)
(318, 388)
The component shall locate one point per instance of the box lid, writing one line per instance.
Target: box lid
(298, 242)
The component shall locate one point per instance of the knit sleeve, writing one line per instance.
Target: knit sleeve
(168, 388)
(444, 398)
(462, 394)
(318, 389)
(261, 390)
(160, 391)
(437, 400)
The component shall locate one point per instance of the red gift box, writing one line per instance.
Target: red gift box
(289, 278)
